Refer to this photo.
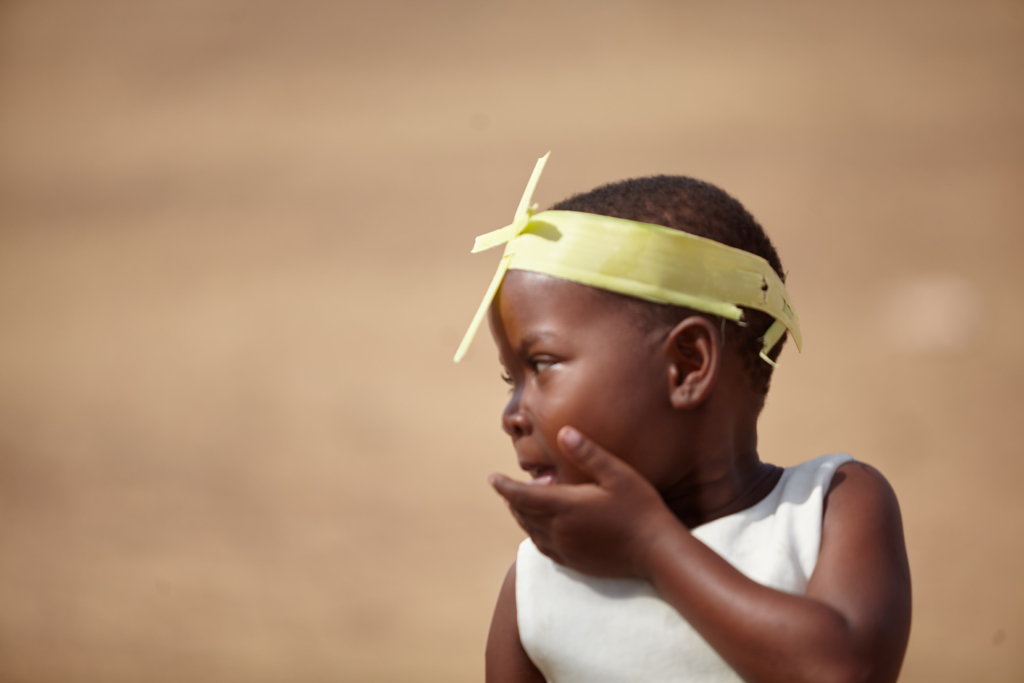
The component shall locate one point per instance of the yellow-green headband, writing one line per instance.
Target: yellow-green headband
(641, 260)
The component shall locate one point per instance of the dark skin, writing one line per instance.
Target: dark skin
(677, 409)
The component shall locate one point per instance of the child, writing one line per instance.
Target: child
(638, 326)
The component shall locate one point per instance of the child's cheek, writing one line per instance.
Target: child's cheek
(552, 413)
(567, 472)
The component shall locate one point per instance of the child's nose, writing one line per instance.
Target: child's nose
(514, 420)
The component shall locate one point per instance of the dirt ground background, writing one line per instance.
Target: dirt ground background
(234, 267)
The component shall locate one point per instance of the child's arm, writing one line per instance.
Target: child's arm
(851, 625)
(507, 661)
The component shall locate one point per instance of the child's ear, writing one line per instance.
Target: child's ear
(694, 354)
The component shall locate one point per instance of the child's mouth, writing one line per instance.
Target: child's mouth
(542, 475)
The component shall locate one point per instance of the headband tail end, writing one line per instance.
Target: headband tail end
(489, 240)
(524, 203)
(482, 310)
(770, 339)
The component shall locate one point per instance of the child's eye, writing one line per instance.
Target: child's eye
(542, 365)
(507, 378)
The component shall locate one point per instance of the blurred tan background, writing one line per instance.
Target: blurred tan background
(234, 267)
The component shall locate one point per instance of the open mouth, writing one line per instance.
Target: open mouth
(541, 474)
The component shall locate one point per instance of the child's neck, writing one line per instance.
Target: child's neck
(727, 474)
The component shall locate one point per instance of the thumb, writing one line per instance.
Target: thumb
(588, 457)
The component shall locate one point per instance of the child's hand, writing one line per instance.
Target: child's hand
(604, 528)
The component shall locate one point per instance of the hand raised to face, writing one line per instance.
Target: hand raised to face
(602, 528)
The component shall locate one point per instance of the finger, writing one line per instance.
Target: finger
(528, 499)
(538, 529)
(548, 550)
(590, 458)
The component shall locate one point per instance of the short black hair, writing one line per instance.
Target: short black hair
(699, 208)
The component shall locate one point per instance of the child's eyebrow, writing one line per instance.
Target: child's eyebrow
(532, 339)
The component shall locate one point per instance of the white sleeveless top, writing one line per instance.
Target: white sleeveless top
(577, 628)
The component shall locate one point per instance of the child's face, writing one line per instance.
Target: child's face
(575, 357)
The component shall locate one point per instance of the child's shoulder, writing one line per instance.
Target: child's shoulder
(861, 508)
(857, 487)
(862, 564)
(845, 483)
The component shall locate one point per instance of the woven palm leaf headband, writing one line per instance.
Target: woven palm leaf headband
(640, 260)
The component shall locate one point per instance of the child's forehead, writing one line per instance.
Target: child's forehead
(525, 291)
(536, 304)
